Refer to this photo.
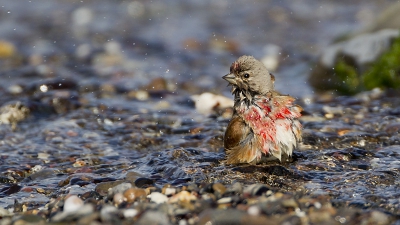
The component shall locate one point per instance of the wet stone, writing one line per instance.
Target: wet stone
(79, 181)
(103, 188)
(256, 189)
(157, 197)
(231, 216)
(132, 176)
(84, 210)
(118, 198)
(5, 213)
(134, 193)
(292, 220)
(153, 217)
(109, 214)
(72, 203)
(6, 180)
(130, 213)
(88, 219)
(235, 188)
(183, 197)
(219, 188)
(120, 188)
(8, 190)
(91, 195)
(143, 182)
(13, 112)
(29, 219)
(169, 191)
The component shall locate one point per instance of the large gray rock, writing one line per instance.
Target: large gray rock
(358, 52)
(363, 49)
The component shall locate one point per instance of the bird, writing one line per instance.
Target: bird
(264, 124)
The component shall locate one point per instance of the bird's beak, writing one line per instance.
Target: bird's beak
(230, 78)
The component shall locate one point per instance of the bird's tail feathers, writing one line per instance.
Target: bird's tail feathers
(243, 154)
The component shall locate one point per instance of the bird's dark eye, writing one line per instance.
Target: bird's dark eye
(246, 75)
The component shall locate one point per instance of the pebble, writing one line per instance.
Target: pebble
(72, 203)
(219, 188)
(206, 103)
(157, 84)
(169, 191)
(224, 200)
(15, 89)
(130, 213)
(157, 197)
(235, 188)
(134, 193)
(231, 216)
(118, 198)
(120, 188)
(254, 210)
(132, 176)
(84, 210)
(153, 217)
(7, 49)
(139, 95)
(143, 182)
(13, 112)
(183, 196)
(108, 213)
(254, 207)
(4, 212)
(27, 220)
(378, 218)
(256, 189)
(330, 110)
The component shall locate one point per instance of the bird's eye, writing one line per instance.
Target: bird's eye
(246, 75)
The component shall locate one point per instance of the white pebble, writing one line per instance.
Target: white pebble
(206, 102)
(130, 213)
(72, 204)
(224, 200)
(253, 210)
(170, 191)
(157, 197)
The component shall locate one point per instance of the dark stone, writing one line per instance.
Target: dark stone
(42, 174)
(278, 170)
(364, 166)
(90, 194)
(6, 180)
(208, 188)
(143, 182)
(292, 220)
(8, 190)
(259, 189)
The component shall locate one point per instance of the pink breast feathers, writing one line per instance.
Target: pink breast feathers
(261, 124)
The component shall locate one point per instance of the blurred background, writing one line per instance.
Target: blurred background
(173, 44)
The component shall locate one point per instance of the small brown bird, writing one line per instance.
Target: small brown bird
(264, 122)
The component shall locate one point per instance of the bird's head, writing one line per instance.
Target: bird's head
(249, 77)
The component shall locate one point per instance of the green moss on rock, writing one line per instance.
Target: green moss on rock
(348, 76)
(384, 73)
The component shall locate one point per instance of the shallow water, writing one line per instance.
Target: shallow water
(106, 117)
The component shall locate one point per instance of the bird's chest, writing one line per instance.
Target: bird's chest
(257, 115)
